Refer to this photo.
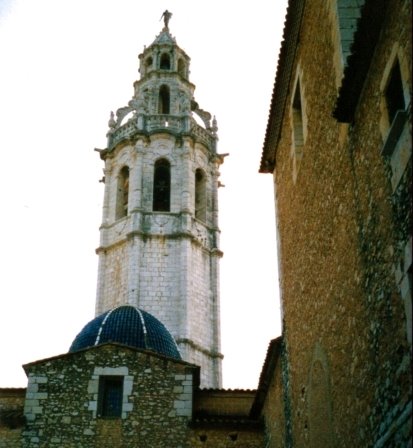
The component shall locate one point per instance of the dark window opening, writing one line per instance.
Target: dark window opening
(163, 100)
(110, 396)
(298, 117)
(162, 186)
(200, 195)
(394, 92)
(122, 198)
(165, 62)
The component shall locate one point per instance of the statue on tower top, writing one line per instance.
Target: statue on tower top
(166, 17)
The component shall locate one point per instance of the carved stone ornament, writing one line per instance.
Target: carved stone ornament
(121, 114)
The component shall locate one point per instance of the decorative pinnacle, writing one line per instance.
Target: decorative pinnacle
(166, 17)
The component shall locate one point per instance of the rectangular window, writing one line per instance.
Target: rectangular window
(394, 93)
(110, 396)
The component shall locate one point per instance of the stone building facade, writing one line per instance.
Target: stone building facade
(162, 405)
(128, 379)
(338, 144)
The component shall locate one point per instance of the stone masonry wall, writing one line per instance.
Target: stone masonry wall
(318, 247)
(62, 399)
(274, 411)
(343, 319)
(383, 214)
(62, 404)
(221, 402)
(165, 262)
(11, 417)
(160, 289)
(226, 438)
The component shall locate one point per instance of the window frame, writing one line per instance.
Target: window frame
(107, 384)
(164, 100)
(393, 93)
(396, 57)
(159, 197)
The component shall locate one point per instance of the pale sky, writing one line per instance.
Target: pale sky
(65, 64)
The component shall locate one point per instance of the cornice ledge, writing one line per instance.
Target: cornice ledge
(191, 343)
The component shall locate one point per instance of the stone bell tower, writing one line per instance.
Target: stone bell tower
(159, 238)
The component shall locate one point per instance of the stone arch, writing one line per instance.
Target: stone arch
(165, 62)
(319, 404)
(162, 186)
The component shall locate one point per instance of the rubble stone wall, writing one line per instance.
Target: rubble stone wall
(341, 230)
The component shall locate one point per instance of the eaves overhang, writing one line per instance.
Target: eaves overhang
(266, 377)
(281, 85)
(362, 50)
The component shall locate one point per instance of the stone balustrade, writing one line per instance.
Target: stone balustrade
(153, 123)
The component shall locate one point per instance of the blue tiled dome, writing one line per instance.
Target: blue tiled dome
(129, 326)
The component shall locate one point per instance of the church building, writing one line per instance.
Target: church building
(146, 370)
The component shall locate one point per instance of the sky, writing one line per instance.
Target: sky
(65, 64)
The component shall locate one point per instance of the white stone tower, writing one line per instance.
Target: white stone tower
(159, 245)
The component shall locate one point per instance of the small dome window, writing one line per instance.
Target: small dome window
(165, 62)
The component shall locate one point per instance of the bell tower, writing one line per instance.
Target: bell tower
(159, 238)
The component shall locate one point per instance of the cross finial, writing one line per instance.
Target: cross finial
(166, 17)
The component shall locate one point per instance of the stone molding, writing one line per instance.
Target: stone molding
(195, 346)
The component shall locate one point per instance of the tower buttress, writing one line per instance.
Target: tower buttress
(159, 238)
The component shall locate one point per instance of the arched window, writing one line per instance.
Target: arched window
(163, 102)
(162, 186)
(165, 62)
(182, 68)
(200, 195)
(122, 193)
